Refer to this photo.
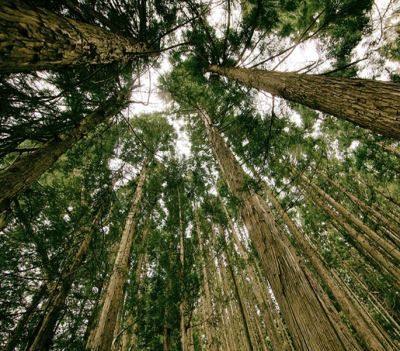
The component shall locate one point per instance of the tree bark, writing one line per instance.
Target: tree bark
(370, 104)
(103, 335)
(37, 39)
(374, 338)
(16, 333)
(52, 314)
(378, 260)
(379, 240)
(306, 318)
(22, 174)
(213, 342)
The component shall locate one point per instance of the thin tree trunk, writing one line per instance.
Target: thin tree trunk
(392, 149)
(363, 205)
(270, 325)
(370, 104)
(104, 332)
(383, 265)
(37, 39)
(24, 320)
(380, 241)
(182, 305)
(22, 174)
(381, 192)
(367, 332)
(307, 320)
(52, 314)
(213, 335)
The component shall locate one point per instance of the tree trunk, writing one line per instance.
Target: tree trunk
(52, 314)
(306, 318)
(363, 205)
(380, 241)
(389, 148)
(367, 332)
(16, 333)
(378, 260)
(104, 332)
(370, 104)
(270, 325)
(22, 174)
(209, 306)
(37, 39)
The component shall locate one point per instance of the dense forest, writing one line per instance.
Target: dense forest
(200, 175)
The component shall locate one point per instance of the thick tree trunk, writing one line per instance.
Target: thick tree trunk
(104, 332)
(367, 331)
(52, 314)
(37, 39)
(307, 320)
(270, 325)
(370, 104)
(22, 174)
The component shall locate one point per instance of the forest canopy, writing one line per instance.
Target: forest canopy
(200, 175)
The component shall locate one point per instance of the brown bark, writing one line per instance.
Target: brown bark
(379, 240)
(213, 341)
(104, 332)
(270, 325)
(22, 174)
(370, 104)
(37, 39)
(374, 338)
(379, 261)
(389, 148)
(52, 314)
(16, 333)
(381, 192)
(306, 318)
(363, 205)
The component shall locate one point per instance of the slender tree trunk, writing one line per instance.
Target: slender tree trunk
(392, 149)
(37, 39)
(378, 260)
(209, 305)
(22, 174)
(363, 205)
(103, 335)
(24, 320)
(182, 305)
(52, 314)
(367, 103)
(380, 241)
(130, 329)
(307, 320)
(367, 332)
(270, 325)
(382, 193)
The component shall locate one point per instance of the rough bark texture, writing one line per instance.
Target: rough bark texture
(52, 314)
(307, 321)
(270, 325)
(374, 338)
(379, 240)
(371, 253)
(22, 174)
(103, 335)
(370, 104)
(36, 39)
(362, 205)
(213, 341)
